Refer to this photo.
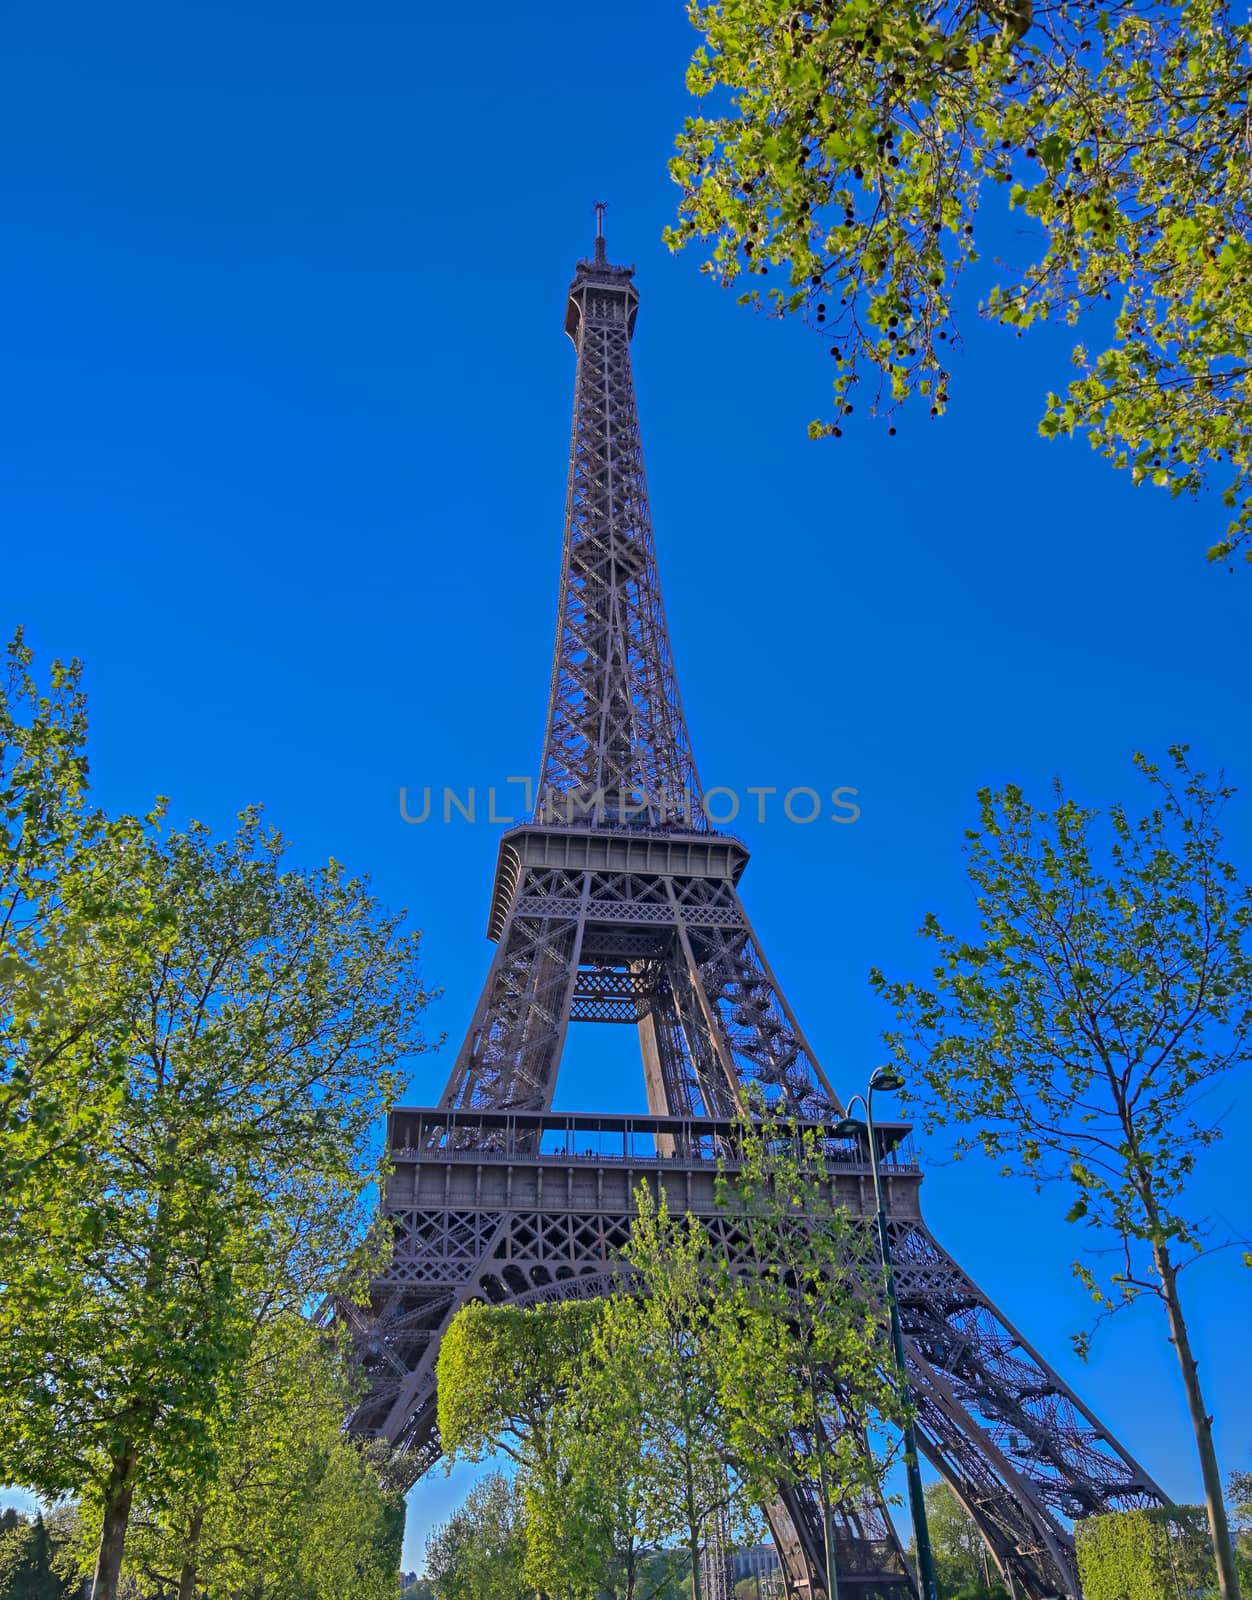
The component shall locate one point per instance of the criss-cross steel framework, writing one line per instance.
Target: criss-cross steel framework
(618, 902)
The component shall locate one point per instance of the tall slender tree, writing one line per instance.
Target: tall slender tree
(817, 1297)
(73, 951)
(678, 1347)
(1074, 1037)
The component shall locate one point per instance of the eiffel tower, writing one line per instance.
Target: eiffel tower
(618, 903)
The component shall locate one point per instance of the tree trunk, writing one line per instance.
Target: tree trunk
(191, 1566)
(1202, 1425)
(693, 1519)
(828, 1543)
(118, 1494)
(823, 1488)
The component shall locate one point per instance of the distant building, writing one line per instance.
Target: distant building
(758, 1562)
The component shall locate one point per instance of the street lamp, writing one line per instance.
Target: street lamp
(890, 1082)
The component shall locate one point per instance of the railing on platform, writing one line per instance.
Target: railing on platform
(430, 1133)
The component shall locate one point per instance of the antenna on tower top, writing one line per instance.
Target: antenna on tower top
(600, 209)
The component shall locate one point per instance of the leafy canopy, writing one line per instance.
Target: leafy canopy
(1152, 1554)
(251, 1058)
(502, 1371)
(1108, 989)
(72, 951)
(199, 1041)
(1239, 1495)
(295, 1510)
(962, 1563)
(479, 1552)
(36, 1560)
(815, 1306)
(849, 147)
(532, 1384)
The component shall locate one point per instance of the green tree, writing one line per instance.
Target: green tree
(663, 1575)
(607, 1439)
(508, 1383)
(1239, 1494)
(816, 1302)
(1239, 1499)
(72, 950)
(479, 1553)
(501, 1372)
(849, 151)
(962, 1566)
(591, 1537)
(680, 1348)
(33, 1564)
(354, 1530)
(552, 1388)
(200, 1041)
(1153, 1554)
(64, 946)
(295, 1511)
(1073, 1039)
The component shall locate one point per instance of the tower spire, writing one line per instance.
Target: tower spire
(616, 746)
(601, 258)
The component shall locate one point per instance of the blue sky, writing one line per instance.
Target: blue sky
(285, 413)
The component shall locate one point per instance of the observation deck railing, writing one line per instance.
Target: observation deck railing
(430, 1133)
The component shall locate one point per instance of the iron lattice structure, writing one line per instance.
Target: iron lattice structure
(619, 903)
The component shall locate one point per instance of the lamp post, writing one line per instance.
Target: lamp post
(889, 1082)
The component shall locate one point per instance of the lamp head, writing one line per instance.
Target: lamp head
(887, 1079)
(850, 1128)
